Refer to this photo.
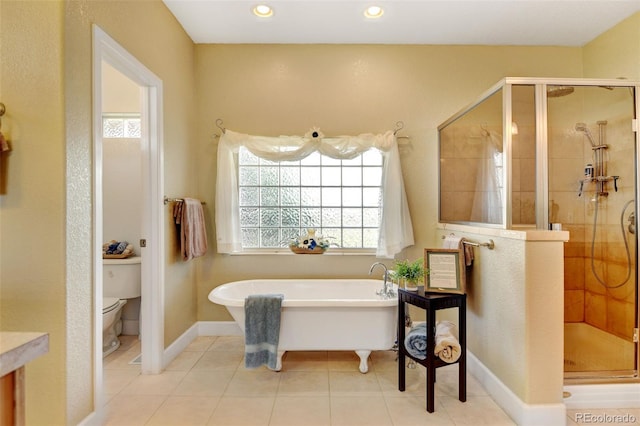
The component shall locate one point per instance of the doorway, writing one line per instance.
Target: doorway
(107, 51)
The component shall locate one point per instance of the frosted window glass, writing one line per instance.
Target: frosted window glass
(352, 238)
(331, 217)
(371, 217)
(290, 196)
(310, 176)
(310, 196)
(269, 176)
(113, 128)
(290, 217)
(251, 237)
(270, 217)
(310, 218)
(290, 176)
(331, 197)
(351, 217)
(121, 126)
(248, 196)
(352, 176)
(270, 237)
(370, 238)
(249, 216)
(132, 128)
(351, 197)
(281, 200)
(269, 196)
(248, 176)
(331, 176)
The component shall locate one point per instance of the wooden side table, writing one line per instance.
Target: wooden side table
(431, 302)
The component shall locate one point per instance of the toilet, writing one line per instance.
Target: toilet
(111, 324)
(120, 281)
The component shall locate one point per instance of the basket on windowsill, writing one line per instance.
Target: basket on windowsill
(300, 250)
(309, 244)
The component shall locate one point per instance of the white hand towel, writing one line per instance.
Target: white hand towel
(447, 345)
(453, 242)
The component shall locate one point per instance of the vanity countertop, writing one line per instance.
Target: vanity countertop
(18, 348)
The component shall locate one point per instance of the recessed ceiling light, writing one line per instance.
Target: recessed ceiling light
(373, 12)
(263, 11)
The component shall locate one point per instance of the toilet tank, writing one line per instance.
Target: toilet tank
(121, 278)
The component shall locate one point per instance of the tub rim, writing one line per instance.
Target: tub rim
(379, 302)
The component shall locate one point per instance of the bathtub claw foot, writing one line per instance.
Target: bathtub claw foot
(364, 360)
(279, 361)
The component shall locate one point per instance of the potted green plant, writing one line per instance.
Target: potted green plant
(411, 273)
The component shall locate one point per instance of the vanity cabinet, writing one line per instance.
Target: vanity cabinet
(16, 350)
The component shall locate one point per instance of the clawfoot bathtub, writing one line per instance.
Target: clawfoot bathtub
(321, 314)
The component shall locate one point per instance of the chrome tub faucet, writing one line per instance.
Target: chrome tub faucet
(387, 289)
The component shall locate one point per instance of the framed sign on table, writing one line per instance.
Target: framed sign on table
(446, 270)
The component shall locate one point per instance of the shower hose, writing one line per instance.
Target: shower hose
(626, 245)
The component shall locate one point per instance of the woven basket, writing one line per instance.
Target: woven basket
(298, 250)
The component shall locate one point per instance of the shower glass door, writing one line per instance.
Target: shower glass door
(592, 194)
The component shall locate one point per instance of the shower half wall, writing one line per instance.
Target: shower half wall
(561, 154)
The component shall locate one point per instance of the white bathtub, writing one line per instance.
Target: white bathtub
(321, 314)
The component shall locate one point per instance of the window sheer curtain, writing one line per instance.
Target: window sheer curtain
(396, 230)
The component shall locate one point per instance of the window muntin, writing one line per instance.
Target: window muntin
(279, 200)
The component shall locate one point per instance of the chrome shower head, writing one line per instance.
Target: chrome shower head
(582, 127)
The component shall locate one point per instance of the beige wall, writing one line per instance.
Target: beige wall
(32, 214)
(616, 52)
(46, 85)
(346, 89)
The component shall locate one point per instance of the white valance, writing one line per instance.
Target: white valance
(396, 231)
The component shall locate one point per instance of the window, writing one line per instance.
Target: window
(121, 126)
(280, 200)
(270, 189)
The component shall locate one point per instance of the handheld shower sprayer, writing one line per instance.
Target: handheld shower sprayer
(582, 127)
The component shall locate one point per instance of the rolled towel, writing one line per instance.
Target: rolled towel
(416, 341)
(447, 345)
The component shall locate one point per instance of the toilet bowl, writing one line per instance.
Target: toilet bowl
(120, 283)
(111, 324)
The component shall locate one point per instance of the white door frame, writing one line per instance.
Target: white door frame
(106, 49)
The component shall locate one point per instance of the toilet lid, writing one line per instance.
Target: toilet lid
(109, 304)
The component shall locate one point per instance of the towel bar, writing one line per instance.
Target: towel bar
(490, 244)
(168, 200)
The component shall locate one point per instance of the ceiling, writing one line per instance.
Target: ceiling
(497, 22)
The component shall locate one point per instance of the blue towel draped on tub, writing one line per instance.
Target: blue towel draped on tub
(262, 329)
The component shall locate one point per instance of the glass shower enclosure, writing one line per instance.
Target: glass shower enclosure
(559, 154)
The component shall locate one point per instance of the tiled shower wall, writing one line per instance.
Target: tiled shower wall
(587, 300)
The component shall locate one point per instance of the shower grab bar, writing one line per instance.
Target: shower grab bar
(489, 244)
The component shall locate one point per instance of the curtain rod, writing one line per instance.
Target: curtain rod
(399, 126)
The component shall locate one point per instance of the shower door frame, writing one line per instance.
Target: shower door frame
(542, 194)
(542, 170)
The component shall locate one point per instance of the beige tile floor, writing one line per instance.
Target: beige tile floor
(207, 384)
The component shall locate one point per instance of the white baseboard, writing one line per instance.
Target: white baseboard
(522, 413)
(218, 328)
(179, 345)
(622, 395)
